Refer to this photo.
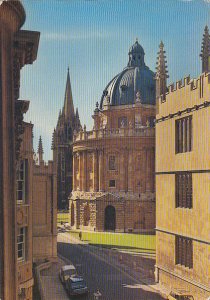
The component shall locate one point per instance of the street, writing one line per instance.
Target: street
(101, 271)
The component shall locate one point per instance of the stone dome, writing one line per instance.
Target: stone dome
(135, 81)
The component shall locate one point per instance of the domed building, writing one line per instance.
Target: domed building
(114, 164)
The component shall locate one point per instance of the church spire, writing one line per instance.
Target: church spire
(205, 51)
(40, 150)
(162, 73)
(68, 107)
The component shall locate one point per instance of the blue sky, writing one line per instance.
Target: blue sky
(93, 37)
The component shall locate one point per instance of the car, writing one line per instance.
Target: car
(76, 285)
(65, 272)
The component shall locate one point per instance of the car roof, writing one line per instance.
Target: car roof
(68, 267)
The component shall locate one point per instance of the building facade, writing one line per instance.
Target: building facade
(68, 123)
(183, 179)
(113, 165)
(17, 48)
(24, 175)
(44, 209)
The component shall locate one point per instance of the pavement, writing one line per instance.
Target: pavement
(137, 266)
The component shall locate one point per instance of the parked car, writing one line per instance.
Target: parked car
(76, 285)
(65, 272)
(180, 295)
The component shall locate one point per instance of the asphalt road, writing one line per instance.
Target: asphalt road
(102, 272)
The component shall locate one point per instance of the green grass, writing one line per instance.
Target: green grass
(122, 241)
(64, 217)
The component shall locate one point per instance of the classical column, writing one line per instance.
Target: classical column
(122, 172)
(80, 171)
(126, 151)
(84, 171)
(74, 187)
(130, 171)
(148, 170)
(101, 171)
(95, 172)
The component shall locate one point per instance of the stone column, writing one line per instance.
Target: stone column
(101, 171)
(122, 171)
(84, 171)
(95, 171)
(126, 169)
(80, 171)
(148, 170)
(130, 171)
(74, 173)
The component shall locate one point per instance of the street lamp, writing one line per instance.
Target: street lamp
(97, 295)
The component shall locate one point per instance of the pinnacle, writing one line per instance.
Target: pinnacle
(40, 147)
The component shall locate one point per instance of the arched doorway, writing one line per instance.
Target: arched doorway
(72, 214)
(110, 218)
(86, 215)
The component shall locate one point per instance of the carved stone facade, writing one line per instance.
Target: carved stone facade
(44, 209)
(17, 48)
(182, 185)
(114, 164)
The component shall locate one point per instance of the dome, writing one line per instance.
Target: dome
(135, 81)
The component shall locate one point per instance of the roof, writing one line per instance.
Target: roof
(68, 267)
(135, 78)
(76, 278)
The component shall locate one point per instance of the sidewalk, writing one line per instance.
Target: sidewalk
(51, 287)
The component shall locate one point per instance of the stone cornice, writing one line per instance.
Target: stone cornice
(26, 46)
(182, 112)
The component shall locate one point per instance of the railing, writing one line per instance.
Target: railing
(119, 132)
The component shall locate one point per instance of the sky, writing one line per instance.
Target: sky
(93, 38)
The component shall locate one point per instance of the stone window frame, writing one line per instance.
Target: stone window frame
(184, 190)
(184, 251)
(183, 135)
(21, 244)
(122, 119)
(21, 177)
(112, 166)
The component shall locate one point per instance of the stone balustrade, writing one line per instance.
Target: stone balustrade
(119, 132)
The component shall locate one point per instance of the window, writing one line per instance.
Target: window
(21, 181)
(122, 122)
(183, 135)
(111, 183)
(112, 162)
(183, 190)
(184, 251)
(21, 243)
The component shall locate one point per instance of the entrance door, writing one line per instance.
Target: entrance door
(110, 218)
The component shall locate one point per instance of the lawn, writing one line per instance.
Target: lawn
(122, 241)
(64, 217)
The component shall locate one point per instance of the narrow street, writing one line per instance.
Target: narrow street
(101, 271)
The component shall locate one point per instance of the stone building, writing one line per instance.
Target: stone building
(183, 179)
(24, 177)
(44, 209)
(68, 123)
(17, 48)
(113, 165)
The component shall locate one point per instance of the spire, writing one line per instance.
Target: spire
(68, 108)
(205, 51)
(40, 150)
(162, 73)
(77, 124)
